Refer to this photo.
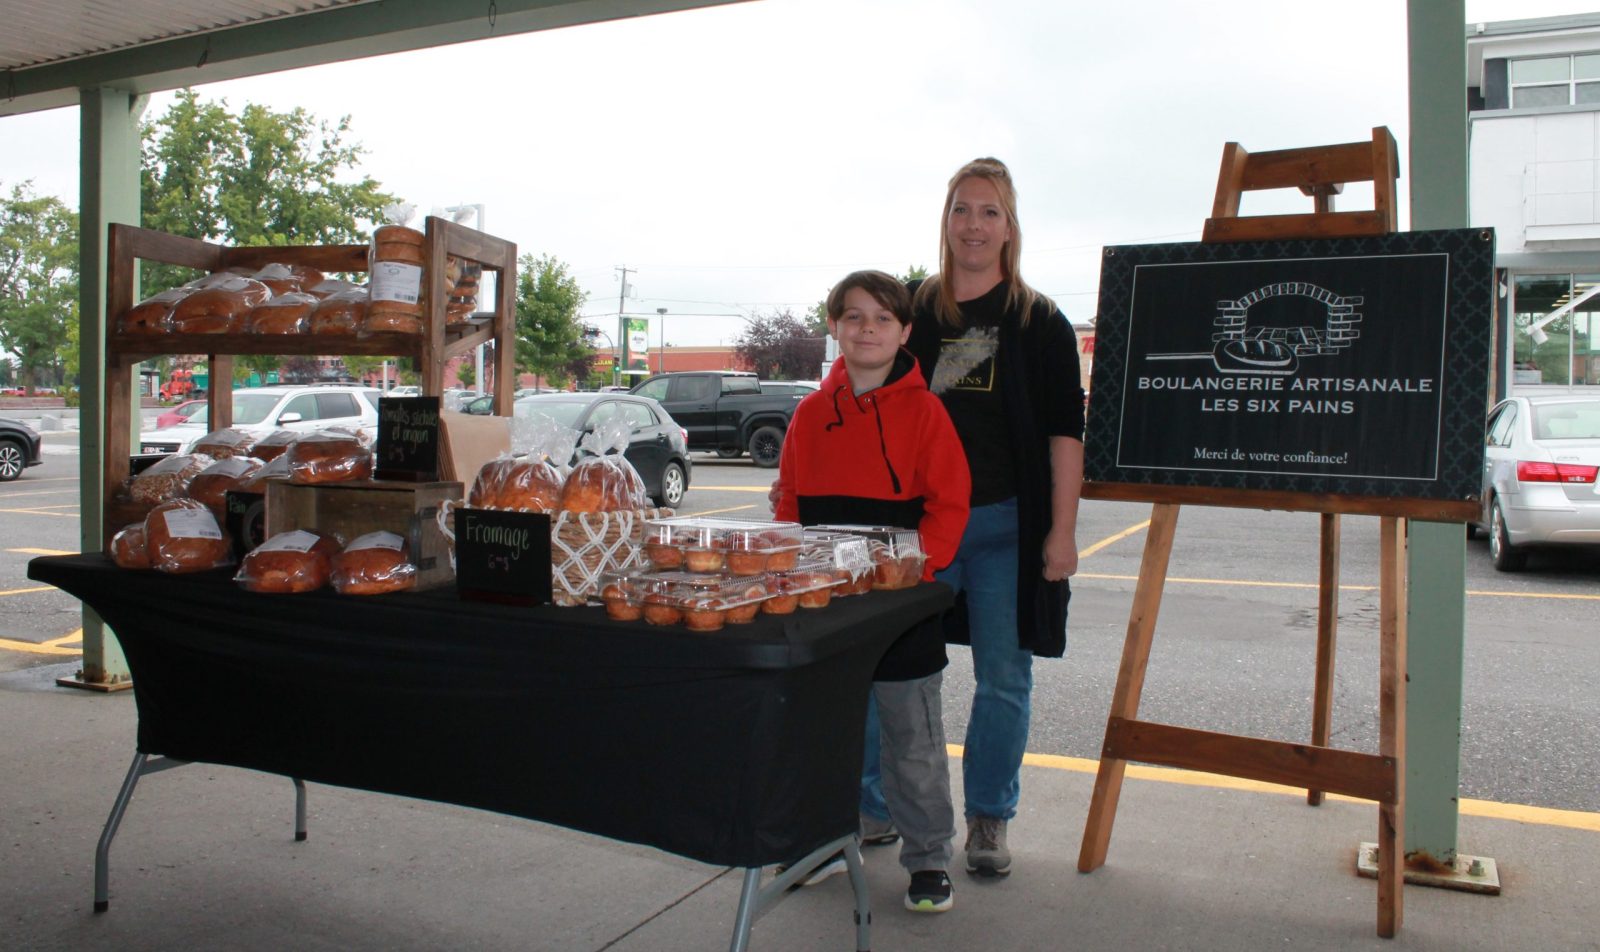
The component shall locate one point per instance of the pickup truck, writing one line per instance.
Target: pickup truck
(724, 411)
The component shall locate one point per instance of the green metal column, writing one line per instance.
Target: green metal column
(108, 191)
(1437, 568)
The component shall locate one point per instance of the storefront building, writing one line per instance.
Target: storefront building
(1534, 127)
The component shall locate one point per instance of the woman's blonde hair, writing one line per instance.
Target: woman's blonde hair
(936, 290)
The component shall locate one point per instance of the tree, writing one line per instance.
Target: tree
(817, 317)
(780, 346)
(467, 373)
(550, 340)
(38, 280)
(257, 177)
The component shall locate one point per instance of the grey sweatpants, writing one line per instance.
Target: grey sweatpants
(916, 770)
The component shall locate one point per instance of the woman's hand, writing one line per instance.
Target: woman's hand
(1060, 555)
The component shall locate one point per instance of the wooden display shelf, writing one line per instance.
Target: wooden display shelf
(437, 344)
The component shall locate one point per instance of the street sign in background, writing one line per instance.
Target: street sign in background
(1355, 366)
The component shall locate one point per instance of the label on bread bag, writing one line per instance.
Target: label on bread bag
(297, 541)
(377, 540)
(233, 467)
(394, 281)
(192, 524)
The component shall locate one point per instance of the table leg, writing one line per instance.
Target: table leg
(102, 851)
(748, 900)
(299, 810)
(858, 882)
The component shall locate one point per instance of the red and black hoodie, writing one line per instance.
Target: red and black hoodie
(888, 457)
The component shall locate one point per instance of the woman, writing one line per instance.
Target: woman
(1004, 360)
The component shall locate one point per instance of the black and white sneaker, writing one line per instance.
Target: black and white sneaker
(930, 891)
(876, 832)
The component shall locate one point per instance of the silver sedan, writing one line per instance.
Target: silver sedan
(1541, 456)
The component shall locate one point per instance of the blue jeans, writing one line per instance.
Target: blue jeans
(985, 567)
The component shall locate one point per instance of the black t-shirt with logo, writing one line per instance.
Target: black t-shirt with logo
(967, 378)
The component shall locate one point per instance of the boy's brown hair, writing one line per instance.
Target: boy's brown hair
(886, 289)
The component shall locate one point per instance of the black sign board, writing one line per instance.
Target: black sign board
(1351, 366)
(503, 556)
(245, 520)
(408, 439)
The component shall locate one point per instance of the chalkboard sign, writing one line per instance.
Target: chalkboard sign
(408, 439)
(245, 519)
(1352, 366)
(503, 556)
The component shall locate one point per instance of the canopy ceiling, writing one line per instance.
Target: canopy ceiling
(50, 49)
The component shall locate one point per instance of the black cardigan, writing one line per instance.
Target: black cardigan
(1045, 399)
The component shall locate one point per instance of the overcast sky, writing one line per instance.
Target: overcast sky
(742, 158)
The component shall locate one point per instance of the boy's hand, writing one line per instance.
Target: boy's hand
(1060, 555)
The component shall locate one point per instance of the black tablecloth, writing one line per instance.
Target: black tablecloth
(740, 747)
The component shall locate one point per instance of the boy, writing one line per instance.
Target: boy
(873, 446)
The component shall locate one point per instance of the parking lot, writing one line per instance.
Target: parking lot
(1233, 650)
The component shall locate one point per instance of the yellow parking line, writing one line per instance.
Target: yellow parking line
(718, 512)
(42, 492)
(51, 647)
(28, 591)
(1343, 588)
(42, 512)
(1522, 813)
(42, 551)
(1115, 537)
(735, 489)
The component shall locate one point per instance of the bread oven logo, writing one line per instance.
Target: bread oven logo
(1275, 344)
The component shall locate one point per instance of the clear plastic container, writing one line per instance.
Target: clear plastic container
(698, 601)
(807, 585)
(896, 554)
(710, 545)
(847, 555)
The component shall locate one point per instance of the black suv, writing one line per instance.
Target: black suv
(19, 448)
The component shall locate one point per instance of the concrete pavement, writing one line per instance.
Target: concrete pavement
(206, 860)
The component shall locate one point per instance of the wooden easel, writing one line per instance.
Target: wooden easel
(1321, 172)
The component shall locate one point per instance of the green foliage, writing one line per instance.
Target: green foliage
(467, 373)
(257, 177)
(38, 281)
(259, 364)
(359, 367)
(550, 340)
(779, 346)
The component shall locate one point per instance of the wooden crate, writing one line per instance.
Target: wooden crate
(348, 510)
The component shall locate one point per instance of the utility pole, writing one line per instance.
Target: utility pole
(618, 349)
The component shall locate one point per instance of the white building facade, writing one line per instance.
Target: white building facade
(1534, 125)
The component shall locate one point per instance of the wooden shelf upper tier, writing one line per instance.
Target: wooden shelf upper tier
(457, 338)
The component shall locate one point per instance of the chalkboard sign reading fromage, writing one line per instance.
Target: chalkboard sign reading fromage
(408, 439)
(503, 556)
(1352, 366)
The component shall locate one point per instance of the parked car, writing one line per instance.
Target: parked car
(260, 410)
(1540, 460)
(658, 449)
(483, 406)
(796, 388)
(453, 399)
(20, 447)
(12, 392)
(725, 411)
(179, 413)
(404, 390)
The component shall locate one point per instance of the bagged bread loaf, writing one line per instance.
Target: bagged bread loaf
(288, 278)
(286, 313)
(182, 536)
(289, 563)
(523, 485)
(153, 315)
(128, 549)
(604, 480)
(340, 313)
(332, 286)
(374, 564)
(219, 308)
(224, 443)
(273, 445)
(277, 468)
(210, 485)
(329, 456)
(168, 479)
